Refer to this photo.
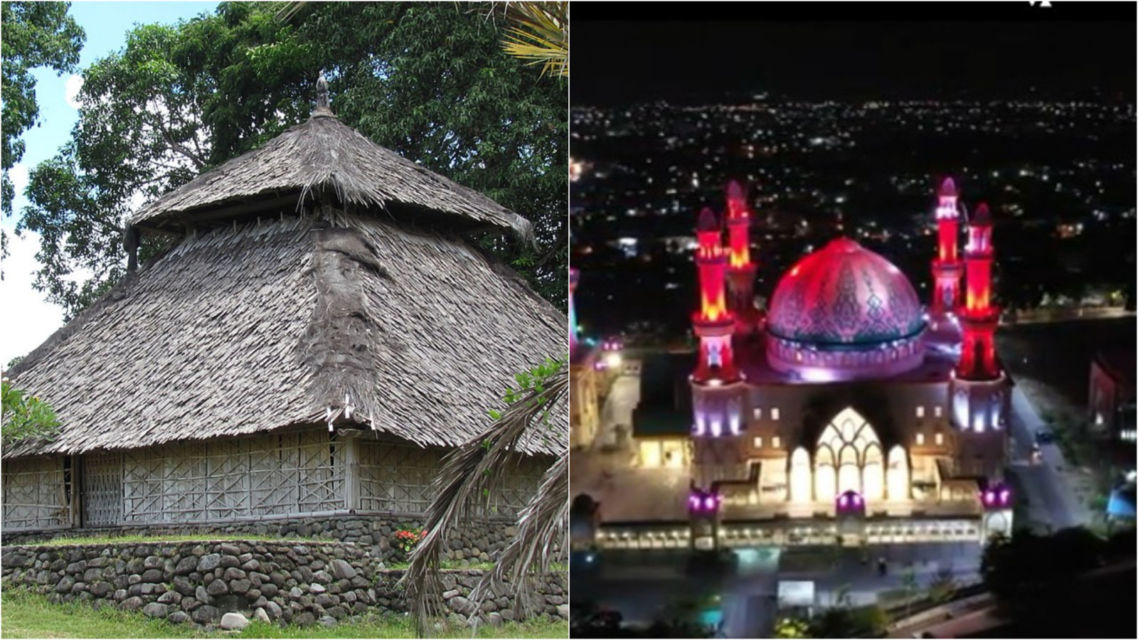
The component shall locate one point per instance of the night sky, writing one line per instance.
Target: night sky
(622, 55)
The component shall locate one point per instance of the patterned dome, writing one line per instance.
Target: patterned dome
(844, 296)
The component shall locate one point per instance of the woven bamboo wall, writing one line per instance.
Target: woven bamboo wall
(282, 474)
(397, 477)
(35, 494)
(293, 474)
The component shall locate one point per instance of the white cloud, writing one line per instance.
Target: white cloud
(137, 199)
(19, 176)
(71, 89)
(26, 320)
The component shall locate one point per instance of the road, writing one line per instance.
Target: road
(617, 410)
(647, 585)
(1048, 493)
(750, 604)
(1069, 314)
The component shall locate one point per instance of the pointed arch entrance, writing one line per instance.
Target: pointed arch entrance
(800, 490)
(849, 457)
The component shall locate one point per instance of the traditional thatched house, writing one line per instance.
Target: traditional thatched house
(318, 337)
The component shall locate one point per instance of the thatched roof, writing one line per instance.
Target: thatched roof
(270, 324)
(325, 155)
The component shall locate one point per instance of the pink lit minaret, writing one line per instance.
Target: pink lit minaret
(713, 323)
(979, 391)
(946, 266)
(741, 270)
(718, 392)
(978, 316)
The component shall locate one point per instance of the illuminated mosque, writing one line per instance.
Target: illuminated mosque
(847, 404)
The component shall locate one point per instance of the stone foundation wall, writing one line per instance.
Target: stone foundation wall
(199, 582)
(476, 540)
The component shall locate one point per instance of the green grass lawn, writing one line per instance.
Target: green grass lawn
(30, 615)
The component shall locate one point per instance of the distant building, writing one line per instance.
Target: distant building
(1110, 400)
(661, 423)
(584, 410)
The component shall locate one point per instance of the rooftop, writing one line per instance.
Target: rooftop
(325, 156)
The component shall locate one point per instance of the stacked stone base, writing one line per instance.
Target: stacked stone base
(200, 582)
(478, 540)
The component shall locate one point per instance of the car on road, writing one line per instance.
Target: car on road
(1044, 437)
(1036, 454)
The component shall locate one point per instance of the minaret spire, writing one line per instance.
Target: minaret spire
(741, 270)
(713, 322)
(946, 265)
(978, 316)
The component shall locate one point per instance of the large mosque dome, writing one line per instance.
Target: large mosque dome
(844, 312)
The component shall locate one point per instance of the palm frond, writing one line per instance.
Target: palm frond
(288, 10)
(540, 542)
(539, 34)
(468, 473)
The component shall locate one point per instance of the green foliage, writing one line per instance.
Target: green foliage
(531, 382)
(846, 622)
(942, 587)
(791, 628)
(534, 380)
(1040, 580)
(1021, 571)
(36, 34)
(25, 417)
(429, 81)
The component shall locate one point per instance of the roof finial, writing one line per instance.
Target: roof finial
(322, 103)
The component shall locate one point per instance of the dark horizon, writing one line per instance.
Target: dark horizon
(617, 62)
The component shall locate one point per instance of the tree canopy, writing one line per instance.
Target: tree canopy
(25, 416)
(430, 81)
(36, 34)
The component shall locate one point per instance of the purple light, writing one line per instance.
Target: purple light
(850, 500)
(599, 366)
(989, 497)
(704, 502)
(1005, 496)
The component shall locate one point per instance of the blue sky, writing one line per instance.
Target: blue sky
(106, 24)
(28, 319)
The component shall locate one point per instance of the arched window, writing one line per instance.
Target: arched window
(873, 473)
(859, 464)
(800, 476)
(898, 474)
(825, 474)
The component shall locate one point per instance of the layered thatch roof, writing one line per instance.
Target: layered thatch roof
(252, 328)
(325, 155)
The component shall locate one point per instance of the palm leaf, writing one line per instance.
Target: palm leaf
(472, 470)
(539, 35)
(540, 542)
(286, 11)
